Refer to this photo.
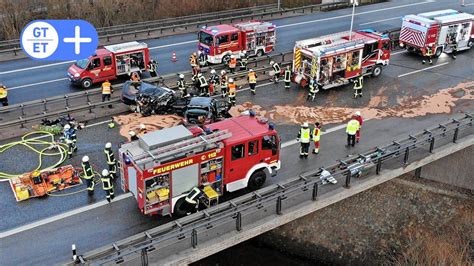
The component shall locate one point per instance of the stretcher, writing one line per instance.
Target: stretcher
(33, 185)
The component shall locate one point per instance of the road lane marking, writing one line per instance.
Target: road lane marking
(332, 129)
(377, 21)
(399, 52)
(172, 44)
(35, 67)
(421, 70)
(37, 83)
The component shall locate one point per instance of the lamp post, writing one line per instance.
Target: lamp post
(354, 4)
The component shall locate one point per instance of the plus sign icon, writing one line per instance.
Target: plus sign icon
(59, 39)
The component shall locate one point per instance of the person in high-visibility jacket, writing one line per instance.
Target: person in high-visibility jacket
(203, 85)
(244, 58)
(88, 174)
(252, 79)
(351, 130)
(232, 91)
(316, 137)
(358, 117)
(152, 65)
(358, 84)
(3, 95)
(313, 89)
(304, 138)
(276, 71)
(232, 64)
(287, 77)
(214, 81)
(194, 64)
(107, 185)
(106, 92)
(69, 136)
(224, 83)
(428, 56)
(111, 162)
(182, 86)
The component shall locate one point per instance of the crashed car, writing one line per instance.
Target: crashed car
(148, 99)
(205, 110)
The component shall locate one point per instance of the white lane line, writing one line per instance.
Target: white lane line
(60, 216)
(35, 67)
(172, 44)
(37, 83)
(399, 52)
(377, 21)
(469, 4)
(421, 70)
(348, 15)
(332, 129)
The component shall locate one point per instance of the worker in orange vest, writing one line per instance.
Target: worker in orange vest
(232, 63)
(232, 91)
(252, 78)
(106, 92)
(193, 63)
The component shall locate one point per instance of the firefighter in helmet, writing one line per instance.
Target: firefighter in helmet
(182, 86)
(304, 138)
(3, 95)
(252, 79)
(111, 162)
(232, 91)
(428, 56)
(358, 85)
(287, 77)
(213, 82)
(107, 185)
(244, 58)
(224, 83)
(88, 174)
(203, 85)
(232, 64)
(276, 71)
(313, 89)
(193, 62)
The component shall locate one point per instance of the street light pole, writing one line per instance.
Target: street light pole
(279, 5)
(354, 3)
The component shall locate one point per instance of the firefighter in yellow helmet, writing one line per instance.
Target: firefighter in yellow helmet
(232, 91)
(252, 79)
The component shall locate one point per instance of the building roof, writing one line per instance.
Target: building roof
(220, 29)
(242, 128)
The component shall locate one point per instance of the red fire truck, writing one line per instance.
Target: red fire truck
(334, 60)
(438, 31)
(166, 169)
(109, 63)
(219, 42)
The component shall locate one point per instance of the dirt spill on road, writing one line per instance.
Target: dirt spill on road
(155, 122)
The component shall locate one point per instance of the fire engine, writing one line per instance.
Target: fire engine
(254, 38)
(438, 31)
(109, 63)
(165, 170)
(335, 59)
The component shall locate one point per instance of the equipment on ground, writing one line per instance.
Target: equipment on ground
(438, 31)
(163, 168)
(109, 63)
(336, 59)
(220, 42)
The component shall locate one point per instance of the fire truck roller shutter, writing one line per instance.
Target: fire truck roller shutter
(184, 179)
(132, 180)
(243, 183)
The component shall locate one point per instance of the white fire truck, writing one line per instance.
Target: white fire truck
(438, 31)
(178, 170)
(254, 38)
(335, 59)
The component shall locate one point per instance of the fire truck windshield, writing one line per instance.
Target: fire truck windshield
(82, 63)
(205, 38)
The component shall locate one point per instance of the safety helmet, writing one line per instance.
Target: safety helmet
(181, 76)
(357, 113)
(142, 126)
(272, 62)
(223, 72)
(131, 133)
(305, 124)
(213, 71)
(85, 159)
(194, 53)
(232, 56)
(251, 70)
(67, 126)
(105, 172)
(108, 145)
(199, 74)
(35, 173)
(231, 80)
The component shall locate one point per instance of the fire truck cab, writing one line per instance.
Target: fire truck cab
(163, 167)
(334, 60)
(437, 31)
(109, 63)
(254, 38)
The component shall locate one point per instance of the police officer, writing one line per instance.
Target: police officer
(3, 95)
(358, 84)
(244, 58)
(182, 86)
(232, 64)
(277, 70)
(224, 79)
(252, 79)
(428, 55)
(313, 89)
(213, 82)
(107, 185)
(304, 138)
(203, 85)
(111, 162)
(287, 77)
(88, 174)
(152, 65)
(106, 92)
(232, 91)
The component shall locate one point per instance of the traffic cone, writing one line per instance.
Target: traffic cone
(173, 57)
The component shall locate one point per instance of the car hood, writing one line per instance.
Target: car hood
(145, 89)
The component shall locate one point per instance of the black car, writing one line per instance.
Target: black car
(205, 110)
(148, 99)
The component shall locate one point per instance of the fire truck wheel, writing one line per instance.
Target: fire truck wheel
(376, 71)
(86, 83)
(259, 53)
(180, 208)
(438, 53)
(257, 179)
(226, 59)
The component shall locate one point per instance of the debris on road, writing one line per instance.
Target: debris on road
(131, 122)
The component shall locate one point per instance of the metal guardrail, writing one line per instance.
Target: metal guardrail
(33, 111)
(188, 232)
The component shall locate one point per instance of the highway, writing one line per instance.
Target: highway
(406, 98)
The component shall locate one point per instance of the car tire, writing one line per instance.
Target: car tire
(438, 52)
(257, 179)
(376, 71)
(226, 59)
(180, 209)
(86, 83)
(259, 53)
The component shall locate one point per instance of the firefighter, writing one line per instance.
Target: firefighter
(152, 65)
(287, 77)
(193, 63)
(106, 92)
(244, 58)
(454, 49)
(232, 91)
(3, 95)
(135, 79)
(107, 185)
(203, 86)
(358, 84)
(313, 89)
(358, 117)
(276, 70)
(224, 79)
(88, 174)
(133, 135)
(252, 79)
(316, 137)
(304, 138)
(213, 82)
(351, 130)
(428, 56)
(182, 86)
(232, 64)
(68, 135)
(111, 162)
(202, 59)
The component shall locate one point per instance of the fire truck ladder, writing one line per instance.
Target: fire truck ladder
(193, 145)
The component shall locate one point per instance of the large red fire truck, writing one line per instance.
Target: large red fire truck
(166, 169)
(437, 31)
(335, 59)
(109, 63)
(254, 38)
